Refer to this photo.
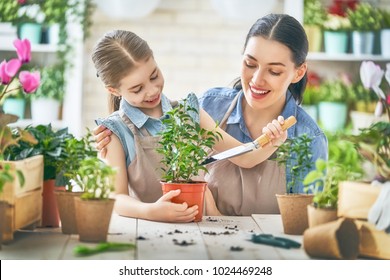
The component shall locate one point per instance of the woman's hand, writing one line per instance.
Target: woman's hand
(102, 138)
(275, 132)
(211, 207)
(166, 211)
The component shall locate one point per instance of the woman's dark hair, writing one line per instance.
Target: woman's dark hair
(115, 56)
(288, 31)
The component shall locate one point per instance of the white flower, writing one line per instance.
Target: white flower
(371, 76)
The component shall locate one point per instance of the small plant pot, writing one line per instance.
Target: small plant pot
(293, 210)
(50, 214)
(318, 216)
(93, 219)
(66, 209)
(334, 240)
(191, 193)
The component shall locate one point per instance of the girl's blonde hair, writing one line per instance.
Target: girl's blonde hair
(115, 56)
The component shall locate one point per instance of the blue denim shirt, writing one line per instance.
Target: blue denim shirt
(216, 102)
(140, 120)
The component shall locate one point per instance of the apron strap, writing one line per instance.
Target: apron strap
(142, 132)
(228, 112)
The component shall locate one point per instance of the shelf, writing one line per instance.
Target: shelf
(56, 124)
(43, 48)
(321, 56)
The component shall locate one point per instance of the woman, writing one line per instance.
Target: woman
(272, 82)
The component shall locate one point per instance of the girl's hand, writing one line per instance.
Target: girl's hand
(102, 138)
(166, 211)
(275, 132)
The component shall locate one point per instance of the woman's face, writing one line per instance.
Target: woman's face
(267, 71)
(143, 86)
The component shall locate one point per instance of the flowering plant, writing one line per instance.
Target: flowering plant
(371, 75)
(29, 82)
(335, 22)
(8, 70)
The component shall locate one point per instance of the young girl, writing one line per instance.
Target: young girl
(125, 64)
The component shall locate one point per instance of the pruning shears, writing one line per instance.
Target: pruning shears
(269, 239)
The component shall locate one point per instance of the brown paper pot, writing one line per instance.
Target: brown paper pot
(93, 219)
(319, 216)
(334, 240)
(293, 210)
(66, 208)
(356, 199)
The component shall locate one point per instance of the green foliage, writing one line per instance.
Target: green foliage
(335, 22)
(5, 175)
(96, 178)
(324, 182)
(311, 95)
(314, 13)
(335, 91)
(385, 24)
(373, 144)
(364, 100)
(345, 153)
(365, 17)
(54, 10)
(295, 154)
(52, 83)
(184, 144)
(73, 152)
(50, 144)
(8, 10)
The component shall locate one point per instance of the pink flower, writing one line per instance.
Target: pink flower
(23, 49)
(29, 81)
(8, 70)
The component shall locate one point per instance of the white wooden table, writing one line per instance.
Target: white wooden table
(214, 238)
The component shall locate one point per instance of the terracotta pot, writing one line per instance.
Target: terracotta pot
(93, 219)
(318, 216)
(191, 193)
(334, 240)
(293, 210)
(66, 209)
(50, 214)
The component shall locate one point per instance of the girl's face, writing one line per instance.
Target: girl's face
(142, 87)
(267, 71)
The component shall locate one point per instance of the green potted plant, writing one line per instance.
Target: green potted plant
(295, 155)
(49, 144)
(365, 21)
(334, 104)
(314, 15)
(49, 95)
(94, 207)
(74, 151)
(183, 147)
(21, 183)
(312, 94)
(344, 164)
(336, 30)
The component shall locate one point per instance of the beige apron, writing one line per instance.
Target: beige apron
(244, 191)
(143, 172)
